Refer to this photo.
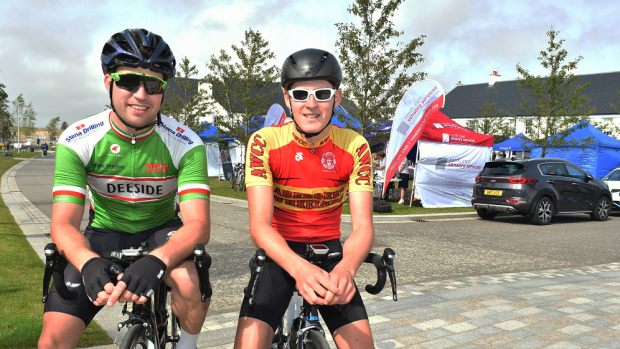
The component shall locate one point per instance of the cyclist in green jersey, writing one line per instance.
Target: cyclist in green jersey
(133, 162)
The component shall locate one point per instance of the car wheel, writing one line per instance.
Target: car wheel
(542, 212)
(486, 214)
(601, 210)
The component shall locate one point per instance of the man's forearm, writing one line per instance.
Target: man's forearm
(356, 249)
(71, 244)
(181, 244)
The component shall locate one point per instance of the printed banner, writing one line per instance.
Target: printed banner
(275, 116)
(446, 173)
(414, 108)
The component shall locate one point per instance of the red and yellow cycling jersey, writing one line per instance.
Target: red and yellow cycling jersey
(310, 182)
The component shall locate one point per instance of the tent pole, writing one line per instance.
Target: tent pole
(415, 174)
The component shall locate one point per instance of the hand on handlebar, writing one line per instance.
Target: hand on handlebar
(97, 281)
(139, 281)
(313, 283)
(344, 281)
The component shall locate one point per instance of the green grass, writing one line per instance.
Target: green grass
(21, 279)
(223, 188)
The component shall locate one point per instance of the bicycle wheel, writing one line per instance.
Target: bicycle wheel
(315, 340)
(135, 338)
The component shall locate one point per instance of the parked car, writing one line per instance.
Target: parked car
(540, 189)
(613, 182)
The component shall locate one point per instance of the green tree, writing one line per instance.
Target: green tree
(376, 72)
(52, 127)
(17, 116)
(184, 101)
(64, 125)
(243, 89)
(554, 102)
(491, 122)
(5, 115)
(29, 119)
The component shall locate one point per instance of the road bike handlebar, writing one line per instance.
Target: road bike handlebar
(384, 264)
(55, 265)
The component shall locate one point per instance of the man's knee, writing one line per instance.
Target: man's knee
(184, 280)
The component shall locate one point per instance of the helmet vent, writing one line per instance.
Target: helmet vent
(292, 59)
(122, 42)
(324, 57)
(108, 49)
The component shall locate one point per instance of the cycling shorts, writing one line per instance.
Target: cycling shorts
(275, 289)
(104, 240)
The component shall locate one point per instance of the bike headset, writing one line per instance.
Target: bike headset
(138, 48)
(311, 64)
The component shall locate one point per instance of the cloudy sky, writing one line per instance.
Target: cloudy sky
(50, 49)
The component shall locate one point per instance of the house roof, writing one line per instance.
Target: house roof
(463, 100)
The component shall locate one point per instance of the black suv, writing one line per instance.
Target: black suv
(539, 188)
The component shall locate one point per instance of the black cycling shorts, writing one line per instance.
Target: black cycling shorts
(104, 240)
(275, 289)
(404, 180)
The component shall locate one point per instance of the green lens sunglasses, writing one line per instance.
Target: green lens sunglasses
(130, 81)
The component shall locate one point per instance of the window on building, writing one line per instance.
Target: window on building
(528, 126)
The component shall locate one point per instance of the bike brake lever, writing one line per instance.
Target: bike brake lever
(51, 260)
(388, 261)
(202, 260)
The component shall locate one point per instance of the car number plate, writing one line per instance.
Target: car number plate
(493, 192)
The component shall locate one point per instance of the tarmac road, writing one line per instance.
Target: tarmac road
(426, 251)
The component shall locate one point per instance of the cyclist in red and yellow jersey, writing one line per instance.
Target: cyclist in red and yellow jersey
(297, 176)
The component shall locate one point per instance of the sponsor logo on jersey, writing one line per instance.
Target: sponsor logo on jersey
(363, 174)
(132, 189)
(178, 134)
(299, 156)
(256, 163)
(108, 166)
(115, 148)
(309, 201)
(83, 131)
(328, 160)
(156, 167)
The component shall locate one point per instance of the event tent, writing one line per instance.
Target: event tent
(449, 157)
(514, 144)
(598, 159)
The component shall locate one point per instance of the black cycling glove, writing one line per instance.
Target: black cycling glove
(144, 276)
(95, 275)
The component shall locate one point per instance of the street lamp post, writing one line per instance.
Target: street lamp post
(19, 146)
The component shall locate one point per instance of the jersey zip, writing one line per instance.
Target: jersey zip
(133, 176)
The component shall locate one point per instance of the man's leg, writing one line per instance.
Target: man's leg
(354, 335)
(253, 333)
(61, 331)
(186, 304)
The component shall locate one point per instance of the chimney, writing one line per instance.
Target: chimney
(493, 78)
(571, 69)
(459, 84)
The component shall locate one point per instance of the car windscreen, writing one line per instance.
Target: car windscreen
(613, 176)
(502, 169)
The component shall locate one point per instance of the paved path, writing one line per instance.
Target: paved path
(558, 308)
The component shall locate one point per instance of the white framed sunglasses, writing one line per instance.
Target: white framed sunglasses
(320, 95)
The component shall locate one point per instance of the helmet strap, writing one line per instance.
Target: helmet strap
(157, 119)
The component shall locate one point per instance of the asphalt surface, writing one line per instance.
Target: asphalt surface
(426, 251)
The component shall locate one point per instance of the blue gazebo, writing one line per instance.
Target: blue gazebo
(514, 144)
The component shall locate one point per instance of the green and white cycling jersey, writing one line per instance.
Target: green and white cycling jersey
(132, 179)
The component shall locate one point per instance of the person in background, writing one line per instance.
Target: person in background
(404, 180)
(381, 173)
(38, 141)
(44, 148)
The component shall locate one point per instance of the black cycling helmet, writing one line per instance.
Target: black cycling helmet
(138, 48)
(311, 64)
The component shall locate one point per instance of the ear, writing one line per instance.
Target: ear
(338, 96)
(107, 79)
(287, 99)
